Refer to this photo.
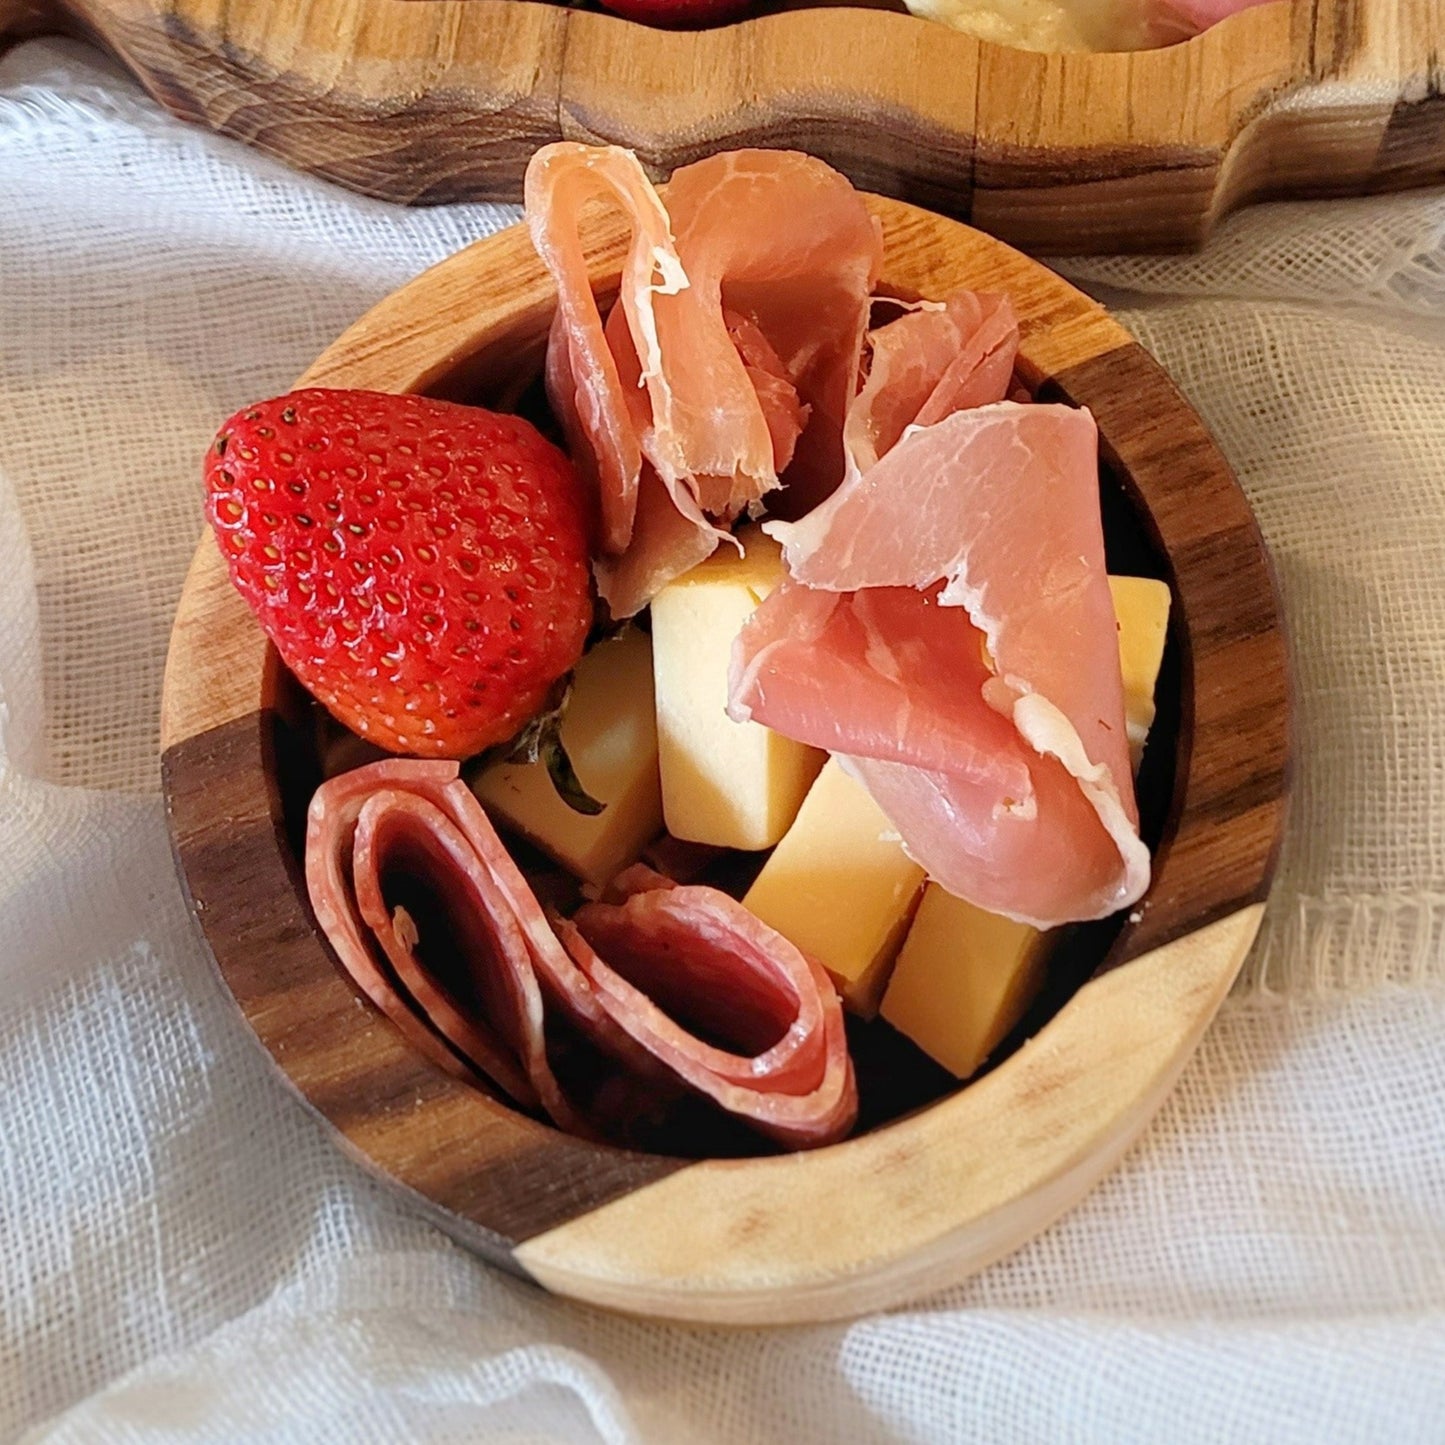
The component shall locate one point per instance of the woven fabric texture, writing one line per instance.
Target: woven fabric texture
(184, 1253)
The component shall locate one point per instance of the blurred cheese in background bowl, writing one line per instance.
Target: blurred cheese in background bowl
(1073, 25)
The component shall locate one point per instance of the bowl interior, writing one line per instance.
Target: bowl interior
(895, 1077)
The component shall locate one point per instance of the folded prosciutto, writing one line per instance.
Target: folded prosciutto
(434, 922)
(926, 364)
(948, 629)
(730, 357)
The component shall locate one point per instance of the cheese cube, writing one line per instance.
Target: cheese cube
(610, 733)
(735, 785)
(963, 979)
(1142, 606)
(840, 886)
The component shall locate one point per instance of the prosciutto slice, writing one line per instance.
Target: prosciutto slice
(404, 827)
(927, 364)
(731, 355)
(784, 240)
(985, 705)
(582, 378)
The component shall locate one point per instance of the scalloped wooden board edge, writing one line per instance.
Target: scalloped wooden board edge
(428, 101)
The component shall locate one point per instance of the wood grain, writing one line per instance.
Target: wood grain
(426, 101)
(920, 1200)
(1229, 799)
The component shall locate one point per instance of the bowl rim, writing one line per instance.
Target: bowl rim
(925, 1199)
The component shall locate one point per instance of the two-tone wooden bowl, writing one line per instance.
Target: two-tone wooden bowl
(915, 1203)
(445, 100)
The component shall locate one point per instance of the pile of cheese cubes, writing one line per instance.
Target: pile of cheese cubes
(649, 736)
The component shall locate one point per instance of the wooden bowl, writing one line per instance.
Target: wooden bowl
(915, 1204)
(427, 101)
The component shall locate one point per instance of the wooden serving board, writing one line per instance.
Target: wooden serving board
(427, 101)
(910, 1206)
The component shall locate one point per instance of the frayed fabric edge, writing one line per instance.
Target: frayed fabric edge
(1346, 943)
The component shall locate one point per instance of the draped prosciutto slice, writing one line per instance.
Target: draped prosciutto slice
(582, 379)
(988, 816)
(784, 240)
(991, 518)
(733, 352)
(897, 657)
(408, 829)
(670, 535)
(930, 362)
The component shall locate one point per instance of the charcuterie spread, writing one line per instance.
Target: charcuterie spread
(780, 704)
(1052, 25)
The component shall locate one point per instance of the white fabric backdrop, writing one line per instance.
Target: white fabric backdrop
(184, 1255)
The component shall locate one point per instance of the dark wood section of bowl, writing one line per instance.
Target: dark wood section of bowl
(237, 842)
(1232, 748)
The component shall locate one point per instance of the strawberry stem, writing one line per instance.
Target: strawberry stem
(541, 740)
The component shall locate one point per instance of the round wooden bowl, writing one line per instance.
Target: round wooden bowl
(919, 1202)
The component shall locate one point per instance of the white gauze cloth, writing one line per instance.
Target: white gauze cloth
(184, 1253)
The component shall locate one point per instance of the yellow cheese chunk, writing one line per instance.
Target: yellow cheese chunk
(735, 785)
(1142, 606)
(963, 980)
(840, 886)
(964, 977)
(610, 733)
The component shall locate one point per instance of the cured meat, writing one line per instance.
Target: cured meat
(990, 818)
(784, 240)
(418, 820)
(582, 378)
(990, 517)
(900, 659)
(1193, 16)
(670, 534)
(928, 363)
(733, 351)
(685, 954)
(666, 542)
(786, 416)
(413, 829)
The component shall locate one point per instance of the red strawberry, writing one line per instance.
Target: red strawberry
(422, 567)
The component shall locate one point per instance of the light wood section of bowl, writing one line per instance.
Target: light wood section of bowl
(926, 1202)
(426, 101)
(921, 1200)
